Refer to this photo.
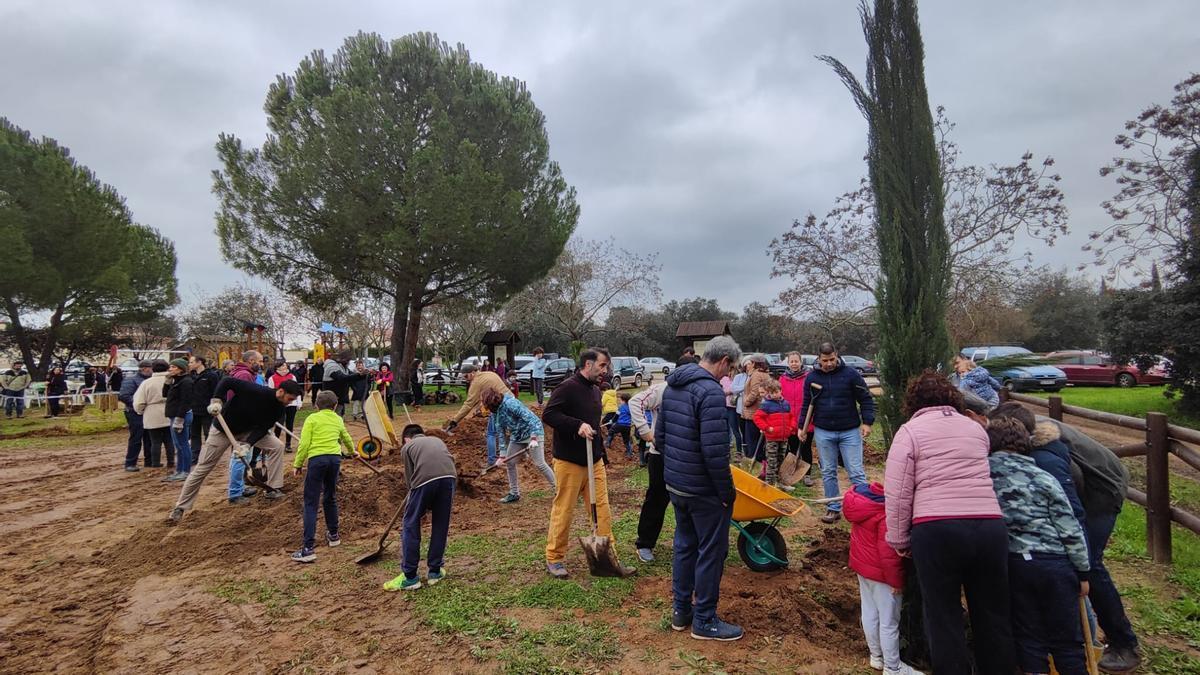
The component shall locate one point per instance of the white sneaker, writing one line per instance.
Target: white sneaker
(876, 662)
(904, 669)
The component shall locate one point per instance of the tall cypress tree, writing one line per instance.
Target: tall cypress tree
(905, 176)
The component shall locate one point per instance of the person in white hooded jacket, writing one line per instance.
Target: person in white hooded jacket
(150, 401)
(654, 506)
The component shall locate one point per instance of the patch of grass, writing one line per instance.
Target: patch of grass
(559, 594)
(497, 552)
(694, 663)
(559, 648)
(1185, 493)
(638, 479)
(1134, 401)
(460, 608)
(275, 599)
(539, 494)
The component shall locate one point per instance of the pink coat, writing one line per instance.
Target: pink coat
(793, 393)
(870, 555)
(937, 467)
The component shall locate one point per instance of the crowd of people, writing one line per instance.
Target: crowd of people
(979, 500)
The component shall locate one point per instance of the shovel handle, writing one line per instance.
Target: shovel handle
(512, 456)
(592, 489)
(229, 434)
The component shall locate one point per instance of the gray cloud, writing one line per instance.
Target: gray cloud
(699, 132)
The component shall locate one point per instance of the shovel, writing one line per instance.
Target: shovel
(602, 559)
(250, 476)
(371, 557)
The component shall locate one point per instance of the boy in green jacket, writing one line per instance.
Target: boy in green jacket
(321, 440)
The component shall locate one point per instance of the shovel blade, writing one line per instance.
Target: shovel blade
(793, 470)
(368, 558)
(602, 559)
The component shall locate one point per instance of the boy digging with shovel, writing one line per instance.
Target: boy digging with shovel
(431, 475)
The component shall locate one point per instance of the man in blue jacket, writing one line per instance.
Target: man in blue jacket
(843, 412)
(139, 440)
(693, 437)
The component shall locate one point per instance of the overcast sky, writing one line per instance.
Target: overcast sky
(696, 130)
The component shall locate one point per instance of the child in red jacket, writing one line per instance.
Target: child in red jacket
(774, 419)
(880, 577)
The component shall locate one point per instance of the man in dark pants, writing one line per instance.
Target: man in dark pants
(204, 383)
(431, 474)
(654, 506)
(693, 437)
(316, 379)
(139, 440)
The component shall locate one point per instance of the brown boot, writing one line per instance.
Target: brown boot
(831, 517)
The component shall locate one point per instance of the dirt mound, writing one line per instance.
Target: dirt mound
(818, 601)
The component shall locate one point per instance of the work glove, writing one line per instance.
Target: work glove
(449, 426)
(242, 452)
(177, 424)
(214, 407)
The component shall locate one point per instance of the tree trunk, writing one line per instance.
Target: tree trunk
(399, 332)
(43, 366)
(415, 309)
(23, 342)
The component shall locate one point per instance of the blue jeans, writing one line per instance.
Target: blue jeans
(1045, 613)
(138, 438)
(701, 544)
(181, 440)
(237, 476)
(735, 427)
(320, 479)
(849, 446)
(435, 497)
(495, 439)
(14, 400)
(1106, 601)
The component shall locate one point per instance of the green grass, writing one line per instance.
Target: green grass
(90, 421)
(1134, 401)
(276, 599)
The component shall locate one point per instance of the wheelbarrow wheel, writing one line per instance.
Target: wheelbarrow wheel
(769, 540)
(369, 447)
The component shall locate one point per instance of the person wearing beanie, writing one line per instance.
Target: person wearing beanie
(179, 411)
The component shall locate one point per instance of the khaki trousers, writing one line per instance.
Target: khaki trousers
(572, 482)
(212, 453)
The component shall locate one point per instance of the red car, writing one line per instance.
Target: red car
(1097, 369)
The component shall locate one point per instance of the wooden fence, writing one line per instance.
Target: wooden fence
(1162, 440)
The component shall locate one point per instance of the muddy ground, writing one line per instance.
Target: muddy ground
(95, 581)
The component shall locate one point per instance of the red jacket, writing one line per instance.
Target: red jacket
(793, 392)
(870, 554)
(775, 419)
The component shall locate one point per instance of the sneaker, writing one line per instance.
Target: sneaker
(333, 539)
(176, 477)
(403, 583)
(645, 555)
(239, 501)
(274, 494)
(1120, 659)
(510, 498)
(434, 577)
(305, 555)
(287, 451)
(680, 621)
(716, 629)
(876, 662)
(249, 491)
(133, 469)
(831, 517)
(904, 669)
(176, 515)
(557, 570)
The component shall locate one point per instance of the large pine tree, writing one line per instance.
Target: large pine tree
(905, 177)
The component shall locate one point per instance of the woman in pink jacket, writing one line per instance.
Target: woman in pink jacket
(942, 511)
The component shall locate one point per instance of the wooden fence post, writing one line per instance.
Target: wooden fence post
(1055, 408)
(1158, 494)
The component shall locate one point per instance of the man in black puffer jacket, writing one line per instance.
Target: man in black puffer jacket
(843, 412)
(693, 437)
(204, 383)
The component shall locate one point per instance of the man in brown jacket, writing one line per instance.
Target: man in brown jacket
(477, 383)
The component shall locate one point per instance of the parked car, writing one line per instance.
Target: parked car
(860, 364)
(626, 370)
(1021, 378)
(1086, 367)
(522, 360)
(777, 364)
(557, 370)
(76, 369)
(808, 361)
(129, 367)
(653, 364)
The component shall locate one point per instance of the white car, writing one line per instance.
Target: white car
(653, 364)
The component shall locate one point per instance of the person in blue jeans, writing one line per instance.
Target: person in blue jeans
(179, 411)
(693, 437)
(431, 474)
(843, 412)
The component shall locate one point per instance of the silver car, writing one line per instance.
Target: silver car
(653, 364)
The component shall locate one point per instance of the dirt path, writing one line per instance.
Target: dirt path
(97, 582)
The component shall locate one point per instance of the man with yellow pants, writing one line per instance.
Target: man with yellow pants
(574, 413)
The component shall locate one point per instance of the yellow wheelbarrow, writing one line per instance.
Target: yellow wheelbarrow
(760, 544)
